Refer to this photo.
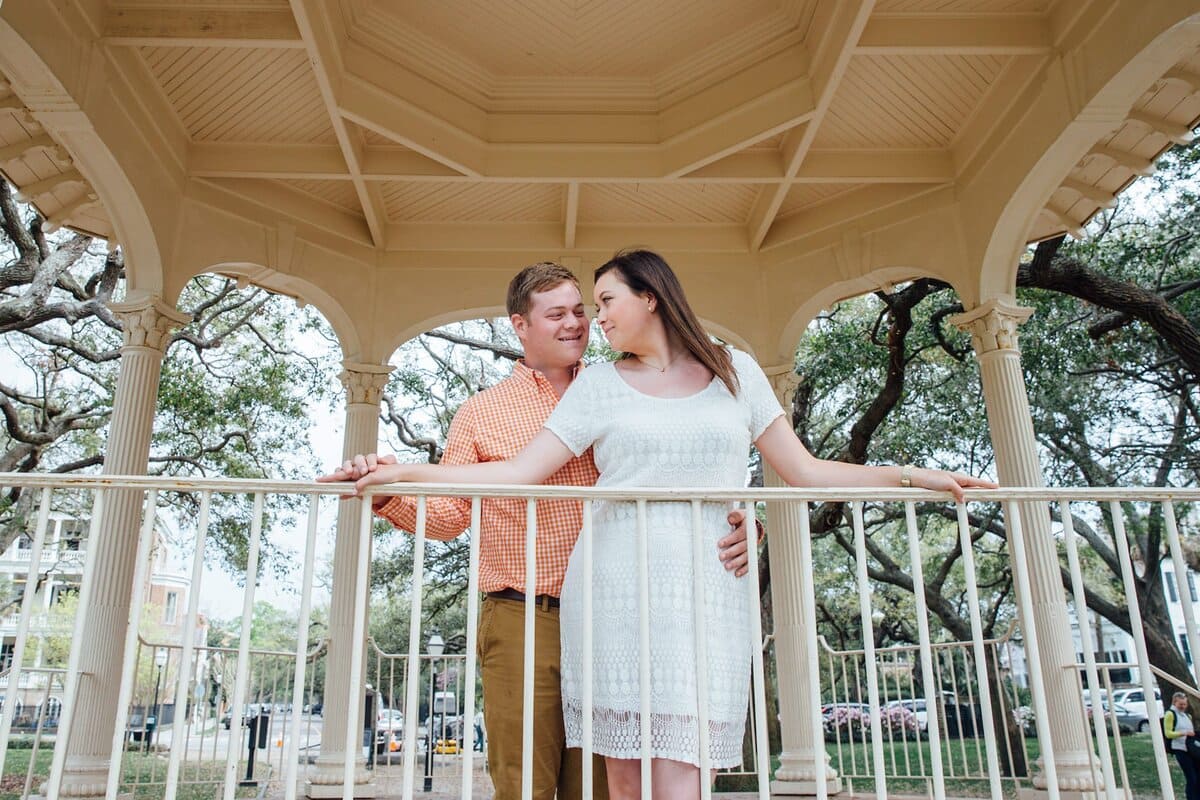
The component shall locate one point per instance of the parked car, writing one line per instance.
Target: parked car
(1127, 721)
(1134, 701)
(389, 731)
(251, 710)
(446, 747)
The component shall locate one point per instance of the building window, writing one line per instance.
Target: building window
(1183, 646)
(1191, 580)
(1172, 592)
(24, 542)
(172, 608)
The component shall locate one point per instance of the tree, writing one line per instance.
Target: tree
(233, 391)
(1110, 361)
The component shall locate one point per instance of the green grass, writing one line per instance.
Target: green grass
(146, 772)
(1139, 761)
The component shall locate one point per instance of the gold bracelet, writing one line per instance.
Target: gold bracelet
(906, 476)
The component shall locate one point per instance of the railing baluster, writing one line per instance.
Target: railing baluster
(301, 663)
(981, 676)
(16, 666)
(699, 554)
(868, 629)
(1095, 703)
(530, 614)
(1181, 568)
(1139, 646)
(357, 643)
(761, 746)
(1037, 685)
(243, 657)
(813, 657)
(585, 703)
(411, 709)
(125, 693)
(179, 743)
(643, 573)
(72, 678)
(926, 648)
(472, 638)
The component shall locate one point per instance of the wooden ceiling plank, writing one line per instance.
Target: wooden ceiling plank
(323, 54)
(942, 34)
(291, 161)
(842, 30)
(205, 27)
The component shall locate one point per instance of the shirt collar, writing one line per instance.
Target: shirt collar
(524, 372)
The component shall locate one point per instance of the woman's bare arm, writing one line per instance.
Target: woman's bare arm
(540, 459)
(784, 451)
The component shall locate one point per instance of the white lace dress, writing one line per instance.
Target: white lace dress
(697, 441)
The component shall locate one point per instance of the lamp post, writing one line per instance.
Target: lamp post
(160, 661)
(434, 647)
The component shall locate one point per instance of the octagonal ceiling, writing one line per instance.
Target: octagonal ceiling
(569, 127)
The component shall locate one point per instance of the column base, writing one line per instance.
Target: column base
(362, 791)
(330, 776)
(1068, 794)
(805, 788)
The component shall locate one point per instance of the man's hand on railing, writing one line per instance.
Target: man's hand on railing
(357, 468)
(733, 546)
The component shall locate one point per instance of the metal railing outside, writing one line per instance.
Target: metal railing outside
(969, 669)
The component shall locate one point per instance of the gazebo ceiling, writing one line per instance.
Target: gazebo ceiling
(730, 129)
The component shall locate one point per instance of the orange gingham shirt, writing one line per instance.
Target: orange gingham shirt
(495, 425)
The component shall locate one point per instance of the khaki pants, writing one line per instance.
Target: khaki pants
(502, 665)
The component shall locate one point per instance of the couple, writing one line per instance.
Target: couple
(675, 410)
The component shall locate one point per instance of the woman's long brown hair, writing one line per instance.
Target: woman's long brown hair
(646, 272)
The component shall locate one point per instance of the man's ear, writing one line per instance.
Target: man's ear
(520, 325)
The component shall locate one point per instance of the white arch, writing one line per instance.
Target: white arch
(1148, 39)
(38, 86)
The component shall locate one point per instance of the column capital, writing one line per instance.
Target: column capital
(364, 382)
(148, 321)
(993, 325)
(784, 381)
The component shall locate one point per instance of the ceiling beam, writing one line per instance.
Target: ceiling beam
(938, 34)
(189, 27)
(842, 26)
(324, 56)
(553, 164)
(547, 237)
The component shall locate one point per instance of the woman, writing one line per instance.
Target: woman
(1177, 726)
(675, 410)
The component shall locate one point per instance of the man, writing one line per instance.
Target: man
(546, 310)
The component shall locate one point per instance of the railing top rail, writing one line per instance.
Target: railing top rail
(246, 485)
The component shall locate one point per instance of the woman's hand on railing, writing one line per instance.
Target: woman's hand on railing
(942, 481)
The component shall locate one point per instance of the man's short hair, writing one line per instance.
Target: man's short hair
(535, 278)
(1179, 696)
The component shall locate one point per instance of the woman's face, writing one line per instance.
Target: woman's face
(622, 313)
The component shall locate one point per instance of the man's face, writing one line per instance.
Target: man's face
(555, 330)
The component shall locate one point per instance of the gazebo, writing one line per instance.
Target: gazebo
(393, 163)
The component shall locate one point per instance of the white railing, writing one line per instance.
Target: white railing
(880, 755)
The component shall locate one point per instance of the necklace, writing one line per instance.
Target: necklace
(661, 370)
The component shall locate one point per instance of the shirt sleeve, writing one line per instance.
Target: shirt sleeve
(1169, 725)
(445, 517)
(755, 391)
(573, 420)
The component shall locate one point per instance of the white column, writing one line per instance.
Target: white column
(148, 323)
(993, 328)
(364, 383)
(803, 760)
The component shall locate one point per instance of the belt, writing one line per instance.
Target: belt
(546, 601)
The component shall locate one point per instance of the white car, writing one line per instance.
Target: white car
(918, 708)
(1134, 701)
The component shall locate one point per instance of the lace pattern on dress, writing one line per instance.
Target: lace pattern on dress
(618, 734)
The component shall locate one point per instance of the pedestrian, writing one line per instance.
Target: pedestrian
(1180, 733)
(479, 730)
